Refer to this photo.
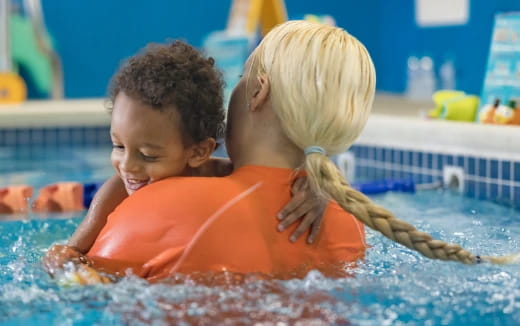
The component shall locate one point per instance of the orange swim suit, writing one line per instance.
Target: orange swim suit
(190, 224)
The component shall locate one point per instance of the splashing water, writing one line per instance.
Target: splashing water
(393, 286)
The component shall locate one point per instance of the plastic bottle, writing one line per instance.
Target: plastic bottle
(421, 82)
(427, 81)
(412, 77)
(447, 75)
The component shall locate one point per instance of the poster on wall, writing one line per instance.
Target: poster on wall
(500, 98)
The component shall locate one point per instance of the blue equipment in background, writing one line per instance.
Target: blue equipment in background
(382, 186)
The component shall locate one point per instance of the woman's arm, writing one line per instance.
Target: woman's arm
(111, 194)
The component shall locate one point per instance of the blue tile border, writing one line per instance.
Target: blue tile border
(55, 136)
(485, 178)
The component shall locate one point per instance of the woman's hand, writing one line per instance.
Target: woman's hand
(305, 205)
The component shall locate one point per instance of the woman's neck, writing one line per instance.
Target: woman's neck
(271, 153)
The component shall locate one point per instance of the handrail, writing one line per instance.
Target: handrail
(5, 50)
(34, 10)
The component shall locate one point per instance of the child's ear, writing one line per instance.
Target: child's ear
(201, 151)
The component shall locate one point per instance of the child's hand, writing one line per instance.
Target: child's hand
(305, 205)
(58, 255)
(82, 275)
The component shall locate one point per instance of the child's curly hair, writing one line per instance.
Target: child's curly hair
(177, 76)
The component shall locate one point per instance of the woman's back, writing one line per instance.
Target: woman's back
(215, 224)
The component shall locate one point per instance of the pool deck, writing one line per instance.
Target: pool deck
(70, 113)
(395, 122)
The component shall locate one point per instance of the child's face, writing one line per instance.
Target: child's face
(147, 143)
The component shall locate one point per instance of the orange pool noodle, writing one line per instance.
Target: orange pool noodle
(60, 197)
(14, 199)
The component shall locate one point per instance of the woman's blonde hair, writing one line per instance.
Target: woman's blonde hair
(322, 88)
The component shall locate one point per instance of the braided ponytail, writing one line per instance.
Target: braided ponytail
(324, 175)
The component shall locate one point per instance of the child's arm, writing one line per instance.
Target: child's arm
(111, 194)
(215, 167)
(305, 205)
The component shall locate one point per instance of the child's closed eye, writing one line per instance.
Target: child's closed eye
(149, 158)
(118, 147)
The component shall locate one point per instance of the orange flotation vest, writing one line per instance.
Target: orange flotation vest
(186, 225)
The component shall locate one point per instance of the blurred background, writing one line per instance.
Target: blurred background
(92, 37)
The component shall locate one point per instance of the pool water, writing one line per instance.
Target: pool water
(41, 165)
(393, 286)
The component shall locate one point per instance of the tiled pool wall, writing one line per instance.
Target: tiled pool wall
(485, 178)
(55, 137)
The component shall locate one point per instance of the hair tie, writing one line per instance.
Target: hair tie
(314, 149)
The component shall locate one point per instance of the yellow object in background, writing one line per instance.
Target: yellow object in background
(321, 19)
(463, 109)
(440, 97)
(454, 105)
(82, 275)
(246, 15)
(12, 88)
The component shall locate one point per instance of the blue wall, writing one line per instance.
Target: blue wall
(468, 45)
(94, 36)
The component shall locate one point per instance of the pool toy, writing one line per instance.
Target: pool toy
(454, 105)
(463, 109)
(487, 113)
(439, 98)
(507, 115)
(15, 199)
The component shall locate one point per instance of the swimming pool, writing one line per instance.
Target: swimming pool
(393, 286)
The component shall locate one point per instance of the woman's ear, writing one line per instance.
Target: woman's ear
(261, 93)
(200, 152)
